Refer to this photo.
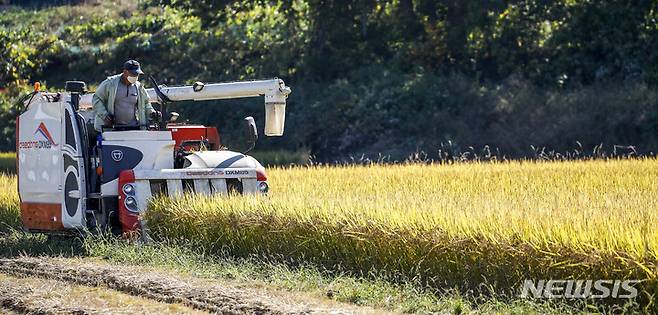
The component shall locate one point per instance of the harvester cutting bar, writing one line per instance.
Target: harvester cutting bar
(205, 182)
(195, 173)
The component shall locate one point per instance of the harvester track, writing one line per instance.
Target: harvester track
(31, 295)
(161, 287)
(165, 290)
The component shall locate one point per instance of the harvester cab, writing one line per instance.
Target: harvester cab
(72, 181)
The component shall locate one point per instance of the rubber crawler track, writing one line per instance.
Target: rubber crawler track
(155, 288)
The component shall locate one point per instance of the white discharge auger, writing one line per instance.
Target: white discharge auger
(274, 91)
(70, 181)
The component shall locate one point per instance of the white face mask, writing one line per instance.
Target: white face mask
(131, 79)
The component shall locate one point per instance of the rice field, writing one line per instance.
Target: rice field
(475, 227)
(9, 211)
(465, 226)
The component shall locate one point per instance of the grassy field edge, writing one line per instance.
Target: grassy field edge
(258, 271)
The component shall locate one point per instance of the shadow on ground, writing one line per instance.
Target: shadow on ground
(18, 243)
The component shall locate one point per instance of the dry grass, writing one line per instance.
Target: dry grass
(44, 296)
(159, 287)
(448, 226)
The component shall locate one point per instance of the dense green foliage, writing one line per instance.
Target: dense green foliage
(389, 76)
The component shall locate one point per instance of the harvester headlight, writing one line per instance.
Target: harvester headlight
(128, 189)
(263, 187)
(131, 204)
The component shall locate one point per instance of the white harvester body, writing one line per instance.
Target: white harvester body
(46, 161)
(70, 182)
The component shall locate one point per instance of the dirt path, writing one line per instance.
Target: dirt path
(6, 311)
(158, 286)
(43, 296)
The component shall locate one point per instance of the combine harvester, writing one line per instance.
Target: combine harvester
(68, 182)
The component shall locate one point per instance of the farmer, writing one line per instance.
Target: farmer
(121, 101)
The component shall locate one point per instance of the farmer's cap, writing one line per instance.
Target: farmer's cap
(133, 67)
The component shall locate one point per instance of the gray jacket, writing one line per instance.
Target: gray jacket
(103, 102)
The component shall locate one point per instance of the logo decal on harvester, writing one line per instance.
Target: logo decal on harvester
(205, 173)
(48, 143)
(236, 172)
(117, 155)
(44, 131)
(217, 172)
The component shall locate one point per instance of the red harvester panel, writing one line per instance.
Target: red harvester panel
(195, 132)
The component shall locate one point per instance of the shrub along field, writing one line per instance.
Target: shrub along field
(477, 227)
(390, 76)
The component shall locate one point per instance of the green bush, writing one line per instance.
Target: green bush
(8, 163)
(390, 78)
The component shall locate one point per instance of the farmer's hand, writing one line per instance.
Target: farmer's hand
(109, 120)
(156, 115)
